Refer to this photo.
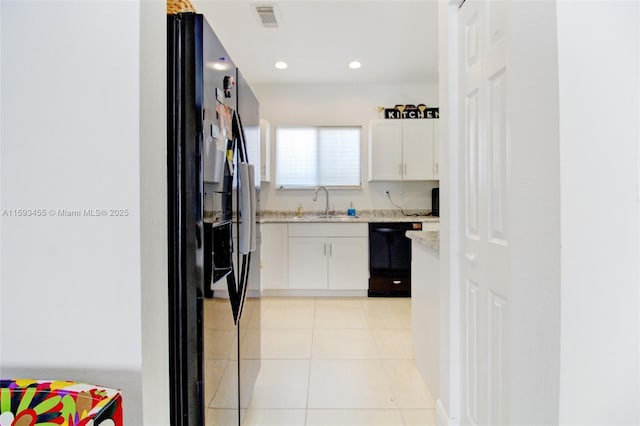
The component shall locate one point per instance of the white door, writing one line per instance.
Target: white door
(485, 288)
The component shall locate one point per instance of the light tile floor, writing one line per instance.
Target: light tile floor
(335, 362)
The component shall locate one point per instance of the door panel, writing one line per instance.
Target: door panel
(348, 260)
(472, 148)
(496, 348)
(471, 353)
(308, 263)
(484, 78)
(497, 189)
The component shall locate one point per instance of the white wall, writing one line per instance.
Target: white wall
(598, 85)
(70, 112)
(448, 399)
(1, 204)
(534, 215)
(325, 104)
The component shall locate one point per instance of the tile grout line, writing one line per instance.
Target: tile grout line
(313, 331)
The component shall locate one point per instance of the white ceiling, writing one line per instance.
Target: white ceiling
(395, 40)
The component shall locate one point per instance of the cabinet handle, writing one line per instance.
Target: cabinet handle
(325, 249)
(405, 169)
(436, 169)
(330, 249)
(400, 169)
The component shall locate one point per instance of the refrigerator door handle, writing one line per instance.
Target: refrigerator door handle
(244, 189)
(254, 202)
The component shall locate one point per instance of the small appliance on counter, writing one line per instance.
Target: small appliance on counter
(435, 202)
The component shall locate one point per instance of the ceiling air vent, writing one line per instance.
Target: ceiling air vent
(267, 16)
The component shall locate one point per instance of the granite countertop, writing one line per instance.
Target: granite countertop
(430, 239)
(364, 216)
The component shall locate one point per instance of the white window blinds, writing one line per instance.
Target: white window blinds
(314, 156)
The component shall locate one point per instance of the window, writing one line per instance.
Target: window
(314, 156)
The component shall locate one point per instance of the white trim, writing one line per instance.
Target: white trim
(224, 293)
(442, 417)
(452, 225)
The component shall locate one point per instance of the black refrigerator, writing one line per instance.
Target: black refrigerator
(213, 232)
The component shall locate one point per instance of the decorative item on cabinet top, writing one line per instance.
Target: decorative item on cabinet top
(178, 6)
(409, 112)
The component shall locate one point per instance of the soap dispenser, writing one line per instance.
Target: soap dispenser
(351, 211)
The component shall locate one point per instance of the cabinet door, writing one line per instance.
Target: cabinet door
(417, 149)
(385, 150)
(273, 256)
(348, 263)
(307, 263)
(265, 151)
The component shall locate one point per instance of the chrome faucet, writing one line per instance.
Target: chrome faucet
(315, 198)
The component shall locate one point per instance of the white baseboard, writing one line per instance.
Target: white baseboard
(224, 293)
(442, 417)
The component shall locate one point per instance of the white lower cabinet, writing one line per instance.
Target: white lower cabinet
(328, 263)
(308, 263)
(325, 256)
(425, 313)
(273, 256)
(348, 263)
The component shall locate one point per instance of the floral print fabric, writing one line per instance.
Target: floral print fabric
(26, 402)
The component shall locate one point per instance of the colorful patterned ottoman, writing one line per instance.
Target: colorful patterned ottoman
(25, 402)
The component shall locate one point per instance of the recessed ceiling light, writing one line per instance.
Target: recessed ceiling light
(281, 65)
(222, 64)
(354, 65)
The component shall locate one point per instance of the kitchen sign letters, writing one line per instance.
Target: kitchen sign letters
(411, 112)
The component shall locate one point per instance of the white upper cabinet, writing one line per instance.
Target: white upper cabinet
(265, 151)
(402, 150)
(417, 150)
(385, 150)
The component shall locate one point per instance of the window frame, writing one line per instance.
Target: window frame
(361, 152)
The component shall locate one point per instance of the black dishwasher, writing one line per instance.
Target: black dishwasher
(390, 258)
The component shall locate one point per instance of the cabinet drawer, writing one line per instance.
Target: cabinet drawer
(328, 230)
